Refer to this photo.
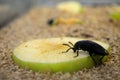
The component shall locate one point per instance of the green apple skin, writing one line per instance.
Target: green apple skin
(70, 66)
(115, 16)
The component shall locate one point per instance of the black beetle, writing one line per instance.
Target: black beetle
(91, 47)
(50, 22)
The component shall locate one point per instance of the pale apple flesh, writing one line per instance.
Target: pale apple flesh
(70, 6)
(46, 55)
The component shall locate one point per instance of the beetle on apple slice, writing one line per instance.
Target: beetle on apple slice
(45, 55)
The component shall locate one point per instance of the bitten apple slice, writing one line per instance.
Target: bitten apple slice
(65, 21)
(46, 55)
(70, 6)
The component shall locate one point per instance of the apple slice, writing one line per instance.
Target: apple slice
(115, 14)
(46, 55)
(70, 6)
(65, 21)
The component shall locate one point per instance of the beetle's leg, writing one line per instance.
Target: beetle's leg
(93, 58)
(101, 59)
(77, 53)
(67, 50)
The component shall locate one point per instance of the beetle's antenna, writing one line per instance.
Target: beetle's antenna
(67, 50)
(67, 45)
(71, 43)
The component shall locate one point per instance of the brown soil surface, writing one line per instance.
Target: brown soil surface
(33, 25)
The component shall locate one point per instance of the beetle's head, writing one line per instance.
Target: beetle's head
(74, 49)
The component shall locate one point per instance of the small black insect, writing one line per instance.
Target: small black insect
(93, 48)
(50, 22)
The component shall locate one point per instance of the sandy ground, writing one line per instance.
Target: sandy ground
(33, 25)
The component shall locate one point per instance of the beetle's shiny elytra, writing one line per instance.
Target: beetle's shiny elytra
(93, 48)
